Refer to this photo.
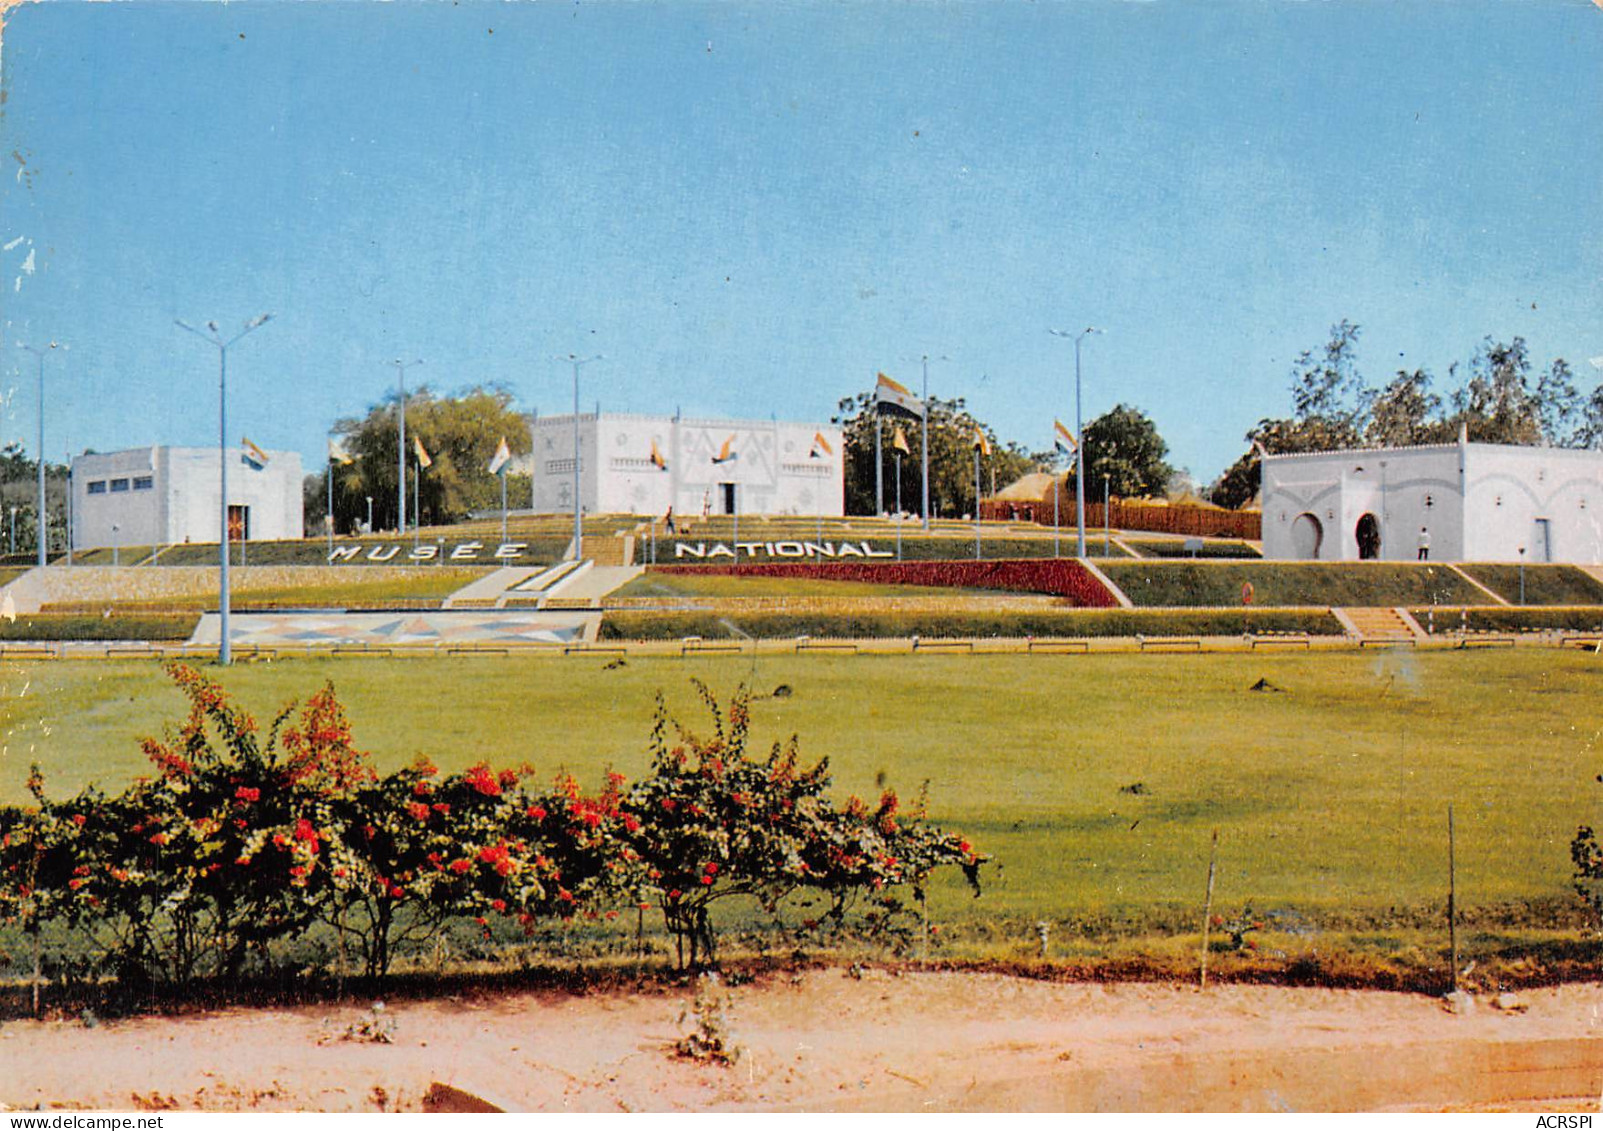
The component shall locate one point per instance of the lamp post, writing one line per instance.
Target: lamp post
(116, 545)
(1079, 431)
(44, 537)
(578, 521)
(369, 514)
(225, 652)
(13, 528)
(400, 478)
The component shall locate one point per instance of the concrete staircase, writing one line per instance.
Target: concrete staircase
(1380, 625)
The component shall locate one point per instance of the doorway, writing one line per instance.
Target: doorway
(1368, 532)
(238, 523)
(1542, 541)
(727, 492)
(1307, 535)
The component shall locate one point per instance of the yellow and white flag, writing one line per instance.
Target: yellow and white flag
(981, 442)
(502, 455)
(820, 447)
(1063, 439)
(423, 459)
(656, 457)
(899, 441)
(253, 455)
(725, 454)
(894, 397)
(337, 453)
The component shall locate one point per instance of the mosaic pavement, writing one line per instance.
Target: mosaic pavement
(477, 626)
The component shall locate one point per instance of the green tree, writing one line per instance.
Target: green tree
(1406, 412)
(1327, 391)
(952, 442)
(460, 434)
(1123, 446)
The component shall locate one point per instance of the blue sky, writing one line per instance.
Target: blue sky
(751, 208)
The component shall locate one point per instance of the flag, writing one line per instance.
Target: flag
(892, 397)
(502, 455)
(423, 459)
(656, 457)
(1263, 452)
(337, 453)
(820, 445)
(1063, 439)
(724, 454)
(899, 441)
(981, 442)
(252, 454)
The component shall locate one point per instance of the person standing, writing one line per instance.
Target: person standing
(1424, 544)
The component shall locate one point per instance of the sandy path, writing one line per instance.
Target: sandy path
(826, 1039)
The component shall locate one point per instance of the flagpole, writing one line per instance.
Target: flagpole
(400, 525)
(926, 430)
(1057, 525)
(417, 505)
(503, 505)
(898, 506)
(331, 506)
(976, 502)
(879, 469)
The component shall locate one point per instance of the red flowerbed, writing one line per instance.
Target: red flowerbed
(1058, 576)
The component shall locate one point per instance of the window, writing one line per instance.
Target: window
(144, 482)
(119, 485)
(97, 486)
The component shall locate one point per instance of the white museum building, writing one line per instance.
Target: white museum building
(631, 464)
(160, 495)
(1461, 502)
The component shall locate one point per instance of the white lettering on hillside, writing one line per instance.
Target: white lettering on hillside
(738, 550)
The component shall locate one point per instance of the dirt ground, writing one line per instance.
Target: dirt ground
(839, 1039)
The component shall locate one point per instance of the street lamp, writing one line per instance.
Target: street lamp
(578, 525)
(1079, 431)
(44, 537)
(13, 528)
(115, 545)
(400, 479)
(225, 653)
(370, 514)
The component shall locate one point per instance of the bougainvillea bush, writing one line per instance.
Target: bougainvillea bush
(712, 822)
(243, 840)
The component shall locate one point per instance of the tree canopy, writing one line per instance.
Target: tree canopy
(460, 434)
(952, 442)
(1494, 399)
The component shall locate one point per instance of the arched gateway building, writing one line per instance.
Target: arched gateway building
(1456, 502)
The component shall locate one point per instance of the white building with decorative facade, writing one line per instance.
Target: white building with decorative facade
(631, 464)
(1459, 502)
(160, 495)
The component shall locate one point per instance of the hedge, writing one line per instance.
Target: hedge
(1044, 623)
(1173, 584)
(1528, 619)
(1063, 577)
(96, 626)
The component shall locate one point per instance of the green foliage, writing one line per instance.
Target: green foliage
(1543, 584)
(244, 840)
(935, 626)
(951, 444)
(1123, 446)
(98, 626)
(1219, 584)
(1488, 618)
(460, 433)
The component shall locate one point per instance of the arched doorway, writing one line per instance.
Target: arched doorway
(1368, 532)
(1307, 535)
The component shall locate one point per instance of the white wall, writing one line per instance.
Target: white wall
(182, 502)
(1480, 502)
(774, 470)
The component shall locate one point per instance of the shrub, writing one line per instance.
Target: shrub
(1063, 577)
(712, 822)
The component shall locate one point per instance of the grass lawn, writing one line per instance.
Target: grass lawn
(1095, 781)
(1544, 584)
(1182, 584)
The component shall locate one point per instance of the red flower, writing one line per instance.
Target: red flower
(243, 861)
(397, 893)
(460, 866)
(419, 811)
(669, 804)
(159, 839)
(245, 794)
(499, 904)
(537, 812)
(78, 819)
